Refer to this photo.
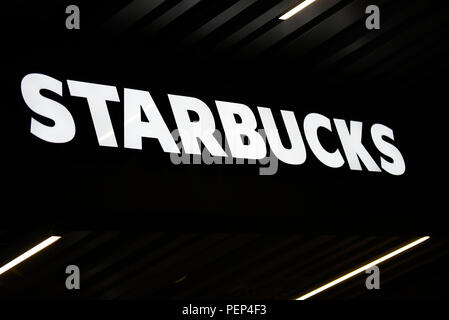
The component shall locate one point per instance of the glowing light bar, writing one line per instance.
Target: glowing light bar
(361, 269)
(296, 9)
(29, 253)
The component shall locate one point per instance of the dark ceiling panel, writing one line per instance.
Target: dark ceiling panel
(253, 25)
(355, 38)
(397, 34)
(217, 21)
(335, 22)
(282, 30)
(131, 265)
(167, 17)
(129, 15)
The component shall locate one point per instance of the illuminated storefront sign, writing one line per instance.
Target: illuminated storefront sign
(237, 120)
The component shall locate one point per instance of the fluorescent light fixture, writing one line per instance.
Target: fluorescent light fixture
(361, 269)
(296, 9)
(29, 253)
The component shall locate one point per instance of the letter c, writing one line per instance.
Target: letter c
(312, 122)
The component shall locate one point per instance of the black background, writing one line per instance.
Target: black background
(82, 184)
(136, 224)
(282, 234)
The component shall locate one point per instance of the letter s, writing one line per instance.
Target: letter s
(63, 129)
(397, 167)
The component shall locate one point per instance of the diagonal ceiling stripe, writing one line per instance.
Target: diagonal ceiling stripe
(283, 29)
(168, 17)
(134, 11)
(255, 24)
(218, 21)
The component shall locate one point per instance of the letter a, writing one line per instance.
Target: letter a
(73, 280)
(73, 20)
(373, 280)
(373, 20)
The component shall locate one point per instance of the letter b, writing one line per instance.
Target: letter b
(256, 149)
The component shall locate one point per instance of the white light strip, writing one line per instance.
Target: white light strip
(361, 269)
(296, 9)
(29, 253)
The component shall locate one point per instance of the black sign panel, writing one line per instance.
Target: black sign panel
(83, 184)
